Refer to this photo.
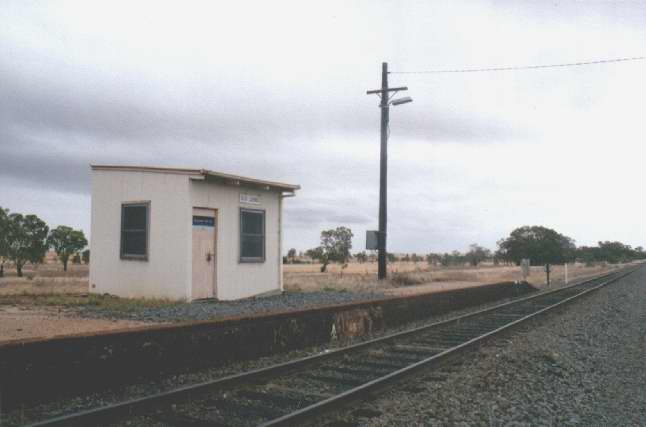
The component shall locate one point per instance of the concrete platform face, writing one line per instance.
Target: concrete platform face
(34, 369)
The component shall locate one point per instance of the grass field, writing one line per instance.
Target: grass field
(307, 277)
(46, 301)
(50, 279)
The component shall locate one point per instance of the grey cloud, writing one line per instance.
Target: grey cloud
(307, 212)
(38, 165)
(303, 119)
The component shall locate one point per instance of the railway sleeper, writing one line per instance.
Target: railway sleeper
(441, 342)
(423, 350)
(451, 339)
(292, 401)
(336, 380)
(486, 326)
(241, 409)
(172, 419)
(385, 365)
(470, 334)
(409, 358)
(477, 328)
(353, 370)
(434, 349)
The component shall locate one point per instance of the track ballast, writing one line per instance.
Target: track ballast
(298, 391)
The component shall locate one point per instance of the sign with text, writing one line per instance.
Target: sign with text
(203, 221)
(250, 199)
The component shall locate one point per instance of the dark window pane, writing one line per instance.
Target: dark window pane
(134, 243)
(134, 217)
(252, 222)
(252, 246)
(134, 230)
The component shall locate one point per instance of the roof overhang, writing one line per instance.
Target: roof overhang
(205, 174)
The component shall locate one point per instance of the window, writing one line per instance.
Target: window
(252, 235)
(134, 230)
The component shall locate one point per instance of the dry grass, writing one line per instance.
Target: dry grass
(353, 268)
(46, 279)
(48, 285)
(362, 277)
(49, 270)
(101, 302)
(49, 279)
(43, 285)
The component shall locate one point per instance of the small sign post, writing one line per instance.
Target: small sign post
(524, 267)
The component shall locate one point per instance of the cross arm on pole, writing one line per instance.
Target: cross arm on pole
(381, 91)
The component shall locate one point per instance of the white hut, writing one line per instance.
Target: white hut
(185, 233)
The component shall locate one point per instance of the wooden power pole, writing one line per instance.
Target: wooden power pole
(384, 105)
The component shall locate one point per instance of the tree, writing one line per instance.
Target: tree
(86, 256)
(433, 259)
(4, 238)
(540, 244)
(615, 252)
(66, 242)
(477, 254)
(361, 257)
(27, 235)
(76, 259)
(291, 254)
(335, 246)
(315, 253)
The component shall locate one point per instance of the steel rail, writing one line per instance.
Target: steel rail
(334, 402)
(138, 405)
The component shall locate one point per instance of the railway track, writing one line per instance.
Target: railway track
(296, 392)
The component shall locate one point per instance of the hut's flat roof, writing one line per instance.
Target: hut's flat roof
(204, 173)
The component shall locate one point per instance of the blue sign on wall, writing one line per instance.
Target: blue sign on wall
(203, 221)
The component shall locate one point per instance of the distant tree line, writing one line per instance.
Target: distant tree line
(541, 245)
(27, 238)
(611, 252)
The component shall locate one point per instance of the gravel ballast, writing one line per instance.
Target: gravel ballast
(463, 396)
(169, 381)
(210, 309)
(583, 365)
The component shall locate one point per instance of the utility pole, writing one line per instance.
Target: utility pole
(384, 105)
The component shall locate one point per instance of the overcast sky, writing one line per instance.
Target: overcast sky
(276, 90)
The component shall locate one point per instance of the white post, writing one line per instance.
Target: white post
(566, 273)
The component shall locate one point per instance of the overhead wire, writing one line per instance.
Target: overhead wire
(522, 67)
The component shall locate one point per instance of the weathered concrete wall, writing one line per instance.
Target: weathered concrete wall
(36, 369)
(166, 273)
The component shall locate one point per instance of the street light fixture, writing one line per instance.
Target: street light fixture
(401, 101)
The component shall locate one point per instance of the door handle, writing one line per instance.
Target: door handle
(209, 256)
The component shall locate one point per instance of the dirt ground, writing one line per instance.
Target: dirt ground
(37, 322)
(20, 320)
(23, 317)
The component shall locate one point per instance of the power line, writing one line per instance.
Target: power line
(522, 67)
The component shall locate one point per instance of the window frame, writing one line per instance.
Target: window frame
(134, 257)
(261, 259)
